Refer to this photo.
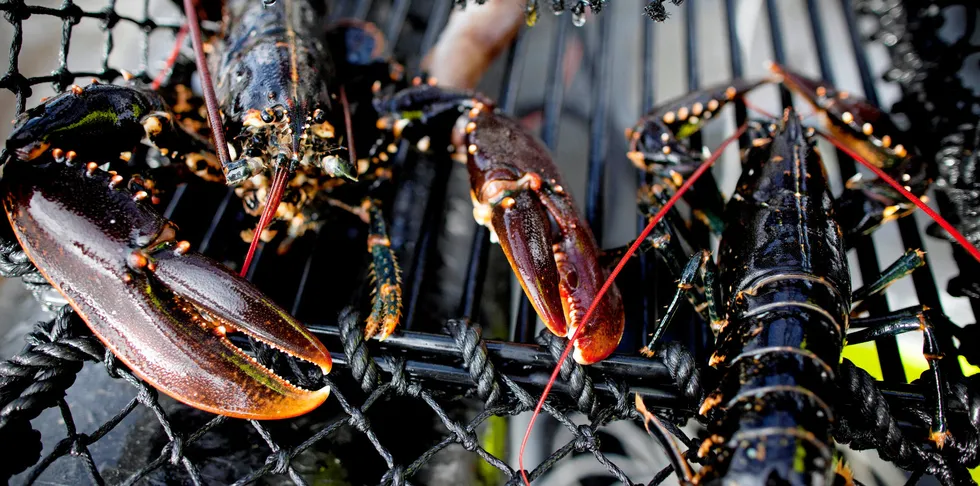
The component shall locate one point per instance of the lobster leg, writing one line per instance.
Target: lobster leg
(902, 267)
(915, 318)
(700, 265)
(387, 308)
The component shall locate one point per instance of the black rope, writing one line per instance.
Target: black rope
(579, 383)
(865, 422)
(469, 340)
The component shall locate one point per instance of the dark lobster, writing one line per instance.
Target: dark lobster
(780, 302)
(517, 192)
(162, 309)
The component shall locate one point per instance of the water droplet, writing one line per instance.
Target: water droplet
(578, 19)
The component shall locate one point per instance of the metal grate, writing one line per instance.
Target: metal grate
(438, 370)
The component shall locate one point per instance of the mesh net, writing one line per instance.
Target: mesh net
(450, 385)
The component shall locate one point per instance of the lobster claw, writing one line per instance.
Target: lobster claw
(551, 250)
(164, 311)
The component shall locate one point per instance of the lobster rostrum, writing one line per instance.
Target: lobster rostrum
(162, 309)
(658, 144)
(518, 194)
(782, 294)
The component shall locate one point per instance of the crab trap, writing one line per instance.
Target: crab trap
(446, 398)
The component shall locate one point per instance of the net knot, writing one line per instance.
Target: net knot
(586, 440)
(281, 459)
(176, 449)
(468, 440)
(397, 476)
(400, 382)
(78, 444)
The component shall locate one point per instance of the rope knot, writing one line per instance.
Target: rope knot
(281, 459)
(468, 440)
(400, 382)
(397, 476)
(78, 444)
(586, 440)
(176, 449)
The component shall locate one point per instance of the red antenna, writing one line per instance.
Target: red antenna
(972, 250)
(612, 277)
(172, 59)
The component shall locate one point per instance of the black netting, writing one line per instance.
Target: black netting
(400, 406)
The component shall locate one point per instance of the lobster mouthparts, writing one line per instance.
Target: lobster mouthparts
(163, 310)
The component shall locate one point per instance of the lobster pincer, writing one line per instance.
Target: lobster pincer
(162, 309)
(518, 193)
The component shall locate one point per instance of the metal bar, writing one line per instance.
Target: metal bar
(219, 214)
(396, 20)
(598, 145)
(888, 354)
(531, 364)
(778, 51)
(735, 59)
(649, 265)
(363, 9)
(924, 281)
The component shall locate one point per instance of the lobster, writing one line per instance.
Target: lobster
(163, 309)
(518, 194)
(779, 301)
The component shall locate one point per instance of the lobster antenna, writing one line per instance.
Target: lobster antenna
(271, 206)
(172, 59)
(350, 129)
(683, 469)
(972, 250)
(612, 277)
(210, 99)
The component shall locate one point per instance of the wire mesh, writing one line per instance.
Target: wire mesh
(439, 371)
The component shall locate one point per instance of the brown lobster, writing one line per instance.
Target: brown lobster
(518, 193)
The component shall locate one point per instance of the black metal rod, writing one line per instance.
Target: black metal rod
(598, 143)
(778, 50)
(649, 265)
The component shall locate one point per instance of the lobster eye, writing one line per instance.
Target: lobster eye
(267, 116)
(319, 116)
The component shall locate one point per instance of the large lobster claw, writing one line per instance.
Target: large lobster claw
(518, 193)
(163, 310)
